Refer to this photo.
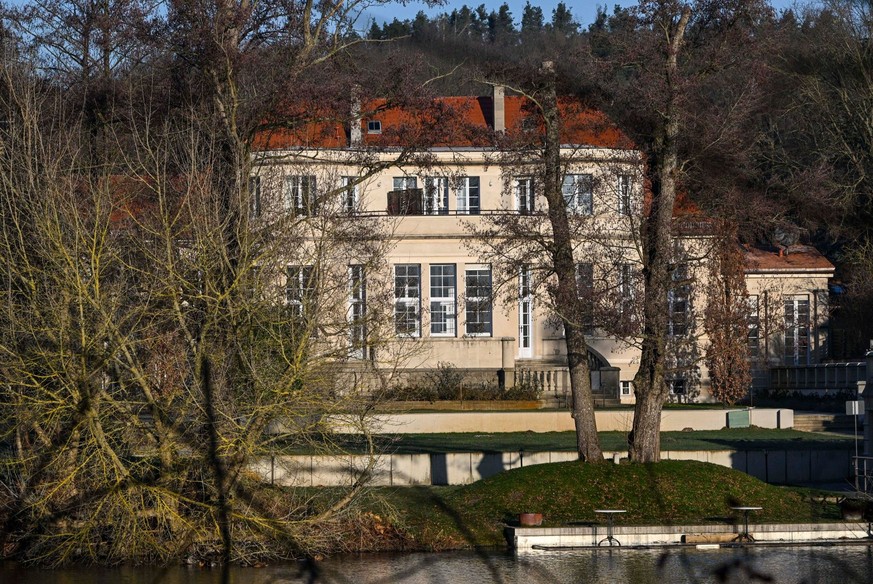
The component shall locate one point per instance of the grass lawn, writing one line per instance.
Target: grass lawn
(731, 439)
(669, 492)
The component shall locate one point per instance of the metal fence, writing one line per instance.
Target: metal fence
(823, 377)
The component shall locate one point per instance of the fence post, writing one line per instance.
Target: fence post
(867, 396)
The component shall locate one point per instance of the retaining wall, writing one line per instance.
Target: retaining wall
(560, 421)
(460, 468)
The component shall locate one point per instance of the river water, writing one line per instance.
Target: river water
(782, 565)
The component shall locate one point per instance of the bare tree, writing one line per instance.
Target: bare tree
(540, 250)
(726, 322)
(169, 320)
(663, 91)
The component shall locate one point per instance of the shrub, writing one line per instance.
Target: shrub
(446, 380)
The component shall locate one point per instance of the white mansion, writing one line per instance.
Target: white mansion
(442, 202)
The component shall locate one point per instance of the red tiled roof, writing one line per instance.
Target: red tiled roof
(443, 122)
(795, 258)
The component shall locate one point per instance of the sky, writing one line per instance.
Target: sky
(584, 10)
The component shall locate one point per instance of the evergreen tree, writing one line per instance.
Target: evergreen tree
(501, 28)
(562, 20)
(532, 20)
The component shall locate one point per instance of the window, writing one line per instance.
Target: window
(467, 195)
(403, 183)
(524, 196)
(585, 290)
(679, 300)
(436, 196)
(754, 328)
(626, 387)
(405, 198)
(374, 127)
(407, 300)
(357, 312)
(254, 196)
(578, 193)
(349, 194)
(525, 314)
(585, 280)
(678, 385)
(300, 287)
(478, 300)
(624, 194)
(300, 196)
(797, 330)
(442, 300)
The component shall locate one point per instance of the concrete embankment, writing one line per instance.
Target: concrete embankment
(562, 421)
(461, 468)
(525, 539)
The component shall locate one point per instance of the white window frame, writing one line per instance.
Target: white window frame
(301, 194)
(405, 183)
(626, 387)
(374, 126)
(585, 291)
(443, 300)
(436, 195)
(357, 311)
(351, 197)
(468, 195)
(479, 304)
(525, 313)
(681, 381)
(795, 327)
(625, 190)
(407, 299)
(300, 288)
(754, 323)
(578, 191)
(525, 195)
(679, 309)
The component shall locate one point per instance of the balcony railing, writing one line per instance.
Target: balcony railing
(406, 202)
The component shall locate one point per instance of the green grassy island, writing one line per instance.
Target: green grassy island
(669, 492)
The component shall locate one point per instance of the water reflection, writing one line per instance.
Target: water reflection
(787, 565)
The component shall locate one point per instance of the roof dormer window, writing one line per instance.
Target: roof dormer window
(374, 127)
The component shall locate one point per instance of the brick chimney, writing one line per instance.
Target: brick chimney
(499, 108)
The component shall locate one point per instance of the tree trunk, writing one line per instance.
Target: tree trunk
(644, 442)
(587, 441)
(567, 299)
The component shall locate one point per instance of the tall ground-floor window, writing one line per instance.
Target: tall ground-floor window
(679, 300)
(585, 290)
(357, 312)
(797, 330)
(442, 300)
(478, 300)
(754, 328)
(407, 300)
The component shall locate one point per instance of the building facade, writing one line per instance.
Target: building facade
(459, 274)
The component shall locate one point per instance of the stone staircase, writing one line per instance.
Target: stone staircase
(823, 422)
